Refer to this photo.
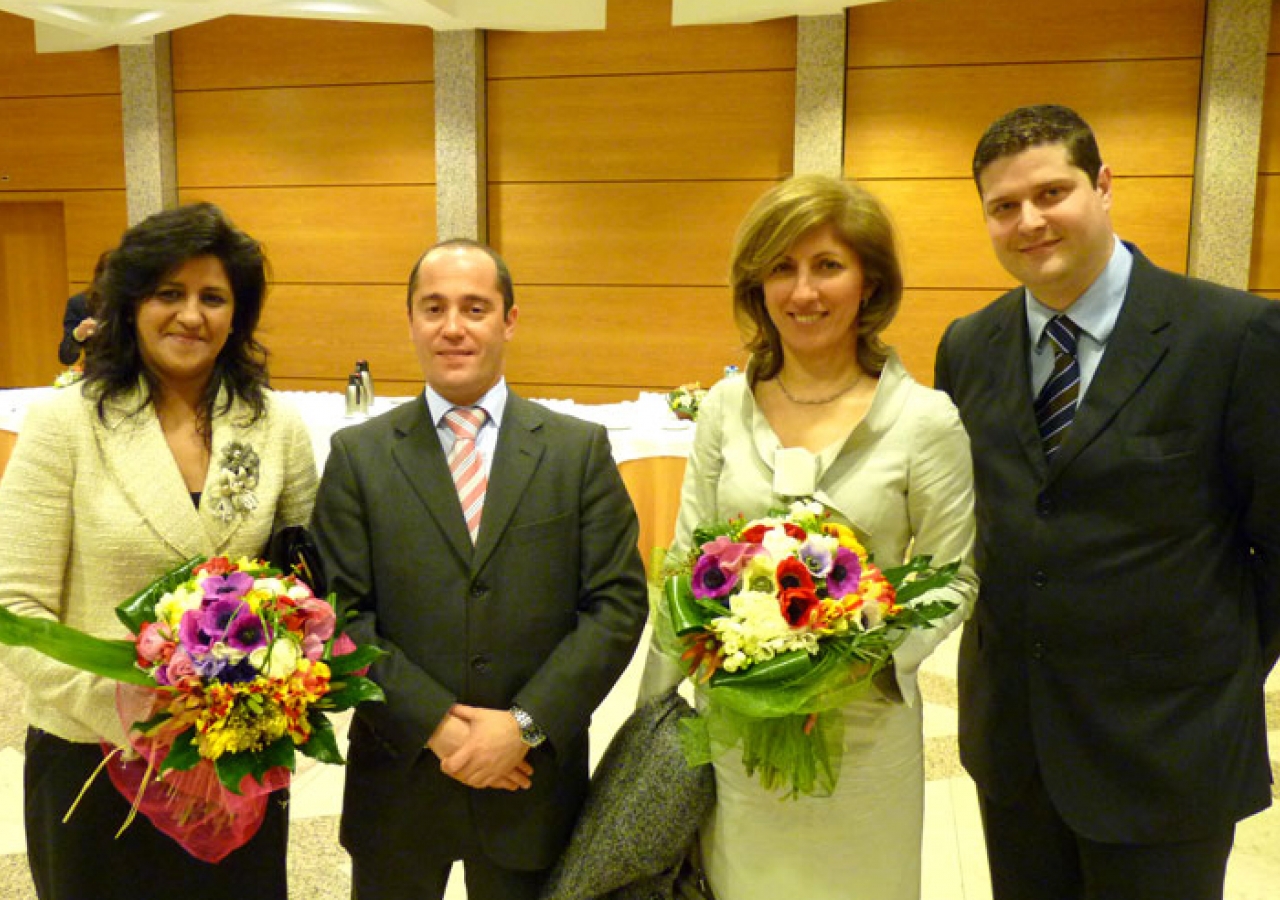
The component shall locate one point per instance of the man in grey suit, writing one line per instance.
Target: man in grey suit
(489, 546)
(1124, 424)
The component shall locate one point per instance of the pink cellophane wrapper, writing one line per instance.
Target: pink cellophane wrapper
(192, 807)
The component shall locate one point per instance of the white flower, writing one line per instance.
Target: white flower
(280, 660)
(779, 545)
(801, 509)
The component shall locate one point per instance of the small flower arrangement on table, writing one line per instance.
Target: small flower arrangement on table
(231, 671)
(685, 400)
(69, 376)
(785, 619)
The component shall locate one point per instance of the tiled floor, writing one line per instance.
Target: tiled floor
(955, 865)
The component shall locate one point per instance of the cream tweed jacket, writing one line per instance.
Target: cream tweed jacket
(90, 512)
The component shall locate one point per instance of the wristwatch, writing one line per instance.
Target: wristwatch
(530, 733)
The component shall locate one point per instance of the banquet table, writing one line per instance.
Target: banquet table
(649, 444)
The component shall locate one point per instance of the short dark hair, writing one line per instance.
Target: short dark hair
(148, 252)
(504, 274)
(780, 218)
(1034, 126)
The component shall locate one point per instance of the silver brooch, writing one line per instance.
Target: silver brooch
(233, 493)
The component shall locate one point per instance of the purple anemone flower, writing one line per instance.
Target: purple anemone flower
(846, 570)
(246, 632)
(232, 586)
(710, 581)
(191, 632)
(219, 615)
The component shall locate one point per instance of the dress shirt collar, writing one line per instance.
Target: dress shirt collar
(493, 403)
(1096, 310)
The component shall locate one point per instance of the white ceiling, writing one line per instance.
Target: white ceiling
(90, 24)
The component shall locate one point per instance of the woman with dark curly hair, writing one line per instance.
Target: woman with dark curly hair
(114, 482)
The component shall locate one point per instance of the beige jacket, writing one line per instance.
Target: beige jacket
(91, 512)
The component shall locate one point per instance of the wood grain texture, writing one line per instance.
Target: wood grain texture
(33, 292)
(258, 51)
(26, 73)
(925, 122)
(334, 235)
(366, 134)
(940, 32)
(622, 335)
(639, 39)
(724, 125)
(921, 321)
(1264, 271)
(619, 234)
(94, 221)
(61, 143)
(944, 243)
(1269, 152)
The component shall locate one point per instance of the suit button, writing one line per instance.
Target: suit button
(1037, 650)
(1044, 506)
(479, 591)
(480, 663)
(1040, 579)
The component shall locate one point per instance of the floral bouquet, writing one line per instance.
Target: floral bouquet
(785, 619)
(69, 376)
(684, 400)
(231, 671)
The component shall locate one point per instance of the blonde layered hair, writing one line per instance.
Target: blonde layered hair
(775, 223)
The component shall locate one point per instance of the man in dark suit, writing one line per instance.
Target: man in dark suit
(1127, 474)
(505, 624)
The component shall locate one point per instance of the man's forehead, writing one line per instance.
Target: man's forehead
(458, 263)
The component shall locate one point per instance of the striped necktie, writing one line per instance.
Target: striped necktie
(1056, 406)
(465, 464)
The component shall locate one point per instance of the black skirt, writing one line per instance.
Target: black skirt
(83, 859)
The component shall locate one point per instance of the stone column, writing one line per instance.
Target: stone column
(461, 178)
(820, 81)
(1226, 175)
(146, 100)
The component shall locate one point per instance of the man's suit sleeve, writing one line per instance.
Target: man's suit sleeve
(415, 702)
(76, 312)
(612, 605)
(1253, 417)
(941, 363)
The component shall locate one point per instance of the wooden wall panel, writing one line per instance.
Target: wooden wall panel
(937, 32)
(1265, 268)
(317, 331)
(639, 39)
(366, 134)
(923, 317)
(33, 292)
(25, 73)
(61, 143)
(944, 243)
(925, 122)
(588, 335)
(367, 235)
(729, 125)
(95, 220)
(1269, 152)
(659, 233)
(258, 51)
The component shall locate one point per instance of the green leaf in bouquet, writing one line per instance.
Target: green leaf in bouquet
(782, 668)
(233, 767)
(141, 607)
(689, 615)
(918, 577)
(351, 691)
(323, 743)
(183, 753)
(112, 659)
(360, 658)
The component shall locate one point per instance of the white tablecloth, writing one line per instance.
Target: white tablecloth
(638, 428)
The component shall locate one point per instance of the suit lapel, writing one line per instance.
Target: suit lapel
(138, 459)
(418, 453)
(1009, 352)
(1140, 340)
(520, 448)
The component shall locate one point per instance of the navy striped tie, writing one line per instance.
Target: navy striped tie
(1056, 406)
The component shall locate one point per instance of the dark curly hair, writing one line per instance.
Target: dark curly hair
(148, 252)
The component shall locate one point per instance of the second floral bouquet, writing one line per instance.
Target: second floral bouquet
(785, 619)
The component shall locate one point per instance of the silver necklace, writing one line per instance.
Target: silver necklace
(821, 400)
